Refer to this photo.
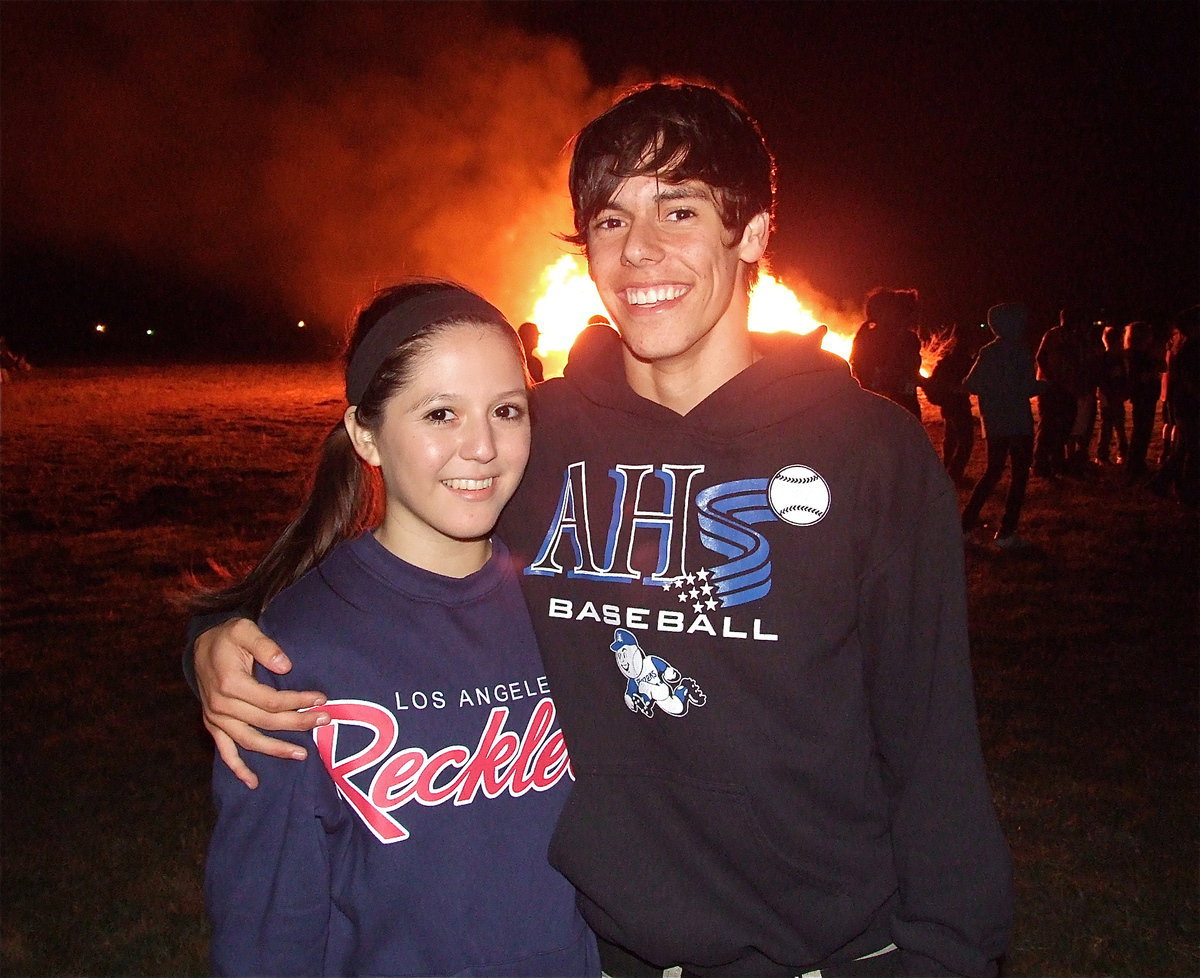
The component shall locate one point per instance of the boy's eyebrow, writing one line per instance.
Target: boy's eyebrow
(692, 190)
(682, 191)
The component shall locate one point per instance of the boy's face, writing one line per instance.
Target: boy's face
(668, 270)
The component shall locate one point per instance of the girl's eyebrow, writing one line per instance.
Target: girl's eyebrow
(442, 396)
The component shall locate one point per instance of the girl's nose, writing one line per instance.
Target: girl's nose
(479, 441)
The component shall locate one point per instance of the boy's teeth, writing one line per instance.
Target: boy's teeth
(642, 297)
(468, 483)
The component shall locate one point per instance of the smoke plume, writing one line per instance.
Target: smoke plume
(308, 152)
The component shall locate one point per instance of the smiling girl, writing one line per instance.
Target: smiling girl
(413, 839)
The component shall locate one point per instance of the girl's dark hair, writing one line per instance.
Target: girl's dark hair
(346, 494)
(679, 131)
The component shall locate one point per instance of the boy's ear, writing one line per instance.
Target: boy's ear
(754, 238)
(362, 439)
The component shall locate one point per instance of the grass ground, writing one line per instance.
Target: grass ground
(116, 482)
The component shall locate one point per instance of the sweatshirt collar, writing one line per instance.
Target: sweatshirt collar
(790, 375)
(416, 582)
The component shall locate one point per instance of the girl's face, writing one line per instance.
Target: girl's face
(451, 448)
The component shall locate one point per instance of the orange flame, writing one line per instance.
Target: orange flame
(569, 298)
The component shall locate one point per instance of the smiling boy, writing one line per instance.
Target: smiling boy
(665, 271)
(765, 529)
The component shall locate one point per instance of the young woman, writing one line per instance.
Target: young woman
(412, 841)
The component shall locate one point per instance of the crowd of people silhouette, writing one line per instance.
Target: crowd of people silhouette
(1084, 403)
(1099, 387)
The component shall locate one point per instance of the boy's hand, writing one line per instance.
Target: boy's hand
(235, 703)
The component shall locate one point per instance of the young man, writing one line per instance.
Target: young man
(746, 578)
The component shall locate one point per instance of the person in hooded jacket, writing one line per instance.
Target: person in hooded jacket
(1003, 380)
(746, 578)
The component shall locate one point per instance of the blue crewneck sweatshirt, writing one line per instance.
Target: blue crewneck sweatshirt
(413, 840)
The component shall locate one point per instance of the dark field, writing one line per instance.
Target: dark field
(117, 482)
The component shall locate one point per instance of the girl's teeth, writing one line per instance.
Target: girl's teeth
(468, 483)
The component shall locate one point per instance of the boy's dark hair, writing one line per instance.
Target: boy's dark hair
(678, 131)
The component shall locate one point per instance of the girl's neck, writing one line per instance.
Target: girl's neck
(449, 558)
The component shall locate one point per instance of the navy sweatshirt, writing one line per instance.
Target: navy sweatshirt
(1002, 377)
(754, 621)
(413, 840)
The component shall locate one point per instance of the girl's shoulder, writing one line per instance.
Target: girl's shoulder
(316, 595)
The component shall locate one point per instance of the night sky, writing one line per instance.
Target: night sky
(216, 172)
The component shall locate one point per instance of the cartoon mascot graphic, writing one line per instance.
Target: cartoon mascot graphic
(652, 681)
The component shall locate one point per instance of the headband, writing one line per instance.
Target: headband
(397, 325)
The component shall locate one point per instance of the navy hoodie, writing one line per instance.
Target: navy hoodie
(1002, 376)
(753, 619)
(412, 841)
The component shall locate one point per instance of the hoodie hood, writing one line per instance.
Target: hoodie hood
(791, 376)
(1008, 320)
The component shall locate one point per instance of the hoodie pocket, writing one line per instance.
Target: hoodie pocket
(681, 870)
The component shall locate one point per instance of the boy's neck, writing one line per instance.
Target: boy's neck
(681, 382)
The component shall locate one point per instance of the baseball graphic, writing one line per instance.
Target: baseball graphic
(798, 495)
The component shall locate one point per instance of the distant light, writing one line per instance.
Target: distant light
(149, 332)
(101, 328)
(300, 324)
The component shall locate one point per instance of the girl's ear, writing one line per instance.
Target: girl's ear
(362, 439)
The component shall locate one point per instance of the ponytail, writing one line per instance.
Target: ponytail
(343, 501)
